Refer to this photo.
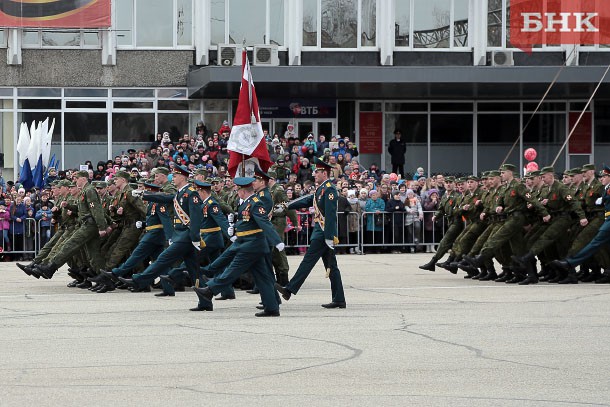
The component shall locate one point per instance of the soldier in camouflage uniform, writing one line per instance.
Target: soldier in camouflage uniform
(92, 227)
(455, 225)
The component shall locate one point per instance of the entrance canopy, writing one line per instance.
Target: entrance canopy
(401, 82)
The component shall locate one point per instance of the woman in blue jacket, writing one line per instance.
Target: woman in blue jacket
(18, 216)
(374, 220)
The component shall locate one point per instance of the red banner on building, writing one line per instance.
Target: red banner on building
(581, 140)
(371, 132)
(55, 13)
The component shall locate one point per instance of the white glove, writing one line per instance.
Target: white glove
(231, 231)
(169, 242)
(137, 192)
(231, 218)
(598, 201)
(280, 246)
(330, 243)
(279, 209)
(197, 245)
(138, 224)
(233, 238)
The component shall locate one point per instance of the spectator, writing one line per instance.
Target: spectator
(305, 171)
(397, 149)
(2, 183)
(431, 231)
(311, 144)
(413, 219)
(281, 170)
(395, 232)
(352, 149)
(18, 216)
(5, 224)
(419, 174)
(343, 209)
(51, 176)
(374, 172)
(374, 221)
(353, 220)
(200, 129)
(225, 127)
(340, 150)
(336, 170)
(157, 143)
(100, 171)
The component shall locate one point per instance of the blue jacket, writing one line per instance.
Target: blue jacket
(18, 212)
(45, 221)
(372, 206)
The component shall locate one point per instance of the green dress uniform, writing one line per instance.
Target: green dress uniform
(279, 259)
(324, 201)
(187, 223)
(254, 233)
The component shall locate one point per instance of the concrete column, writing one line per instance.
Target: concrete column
(477, 30)
(294, 29)
(201, 19)
(13, 50)
(386, 24)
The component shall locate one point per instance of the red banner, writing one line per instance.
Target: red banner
(55, 13)
(371, 132)
(554, 22)
(581, 140)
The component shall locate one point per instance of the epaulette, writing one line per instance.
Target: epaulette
(210, 201)
(328, 184)
(255, 199)
(192, 189)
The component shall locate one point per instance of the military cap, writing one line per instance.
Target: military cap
(484, 174)
(110, 181)
(259, 173)
(141, 181)
(460, 180)
(133, 185)
(449, 179)
(131, 151)
(181, 170)
(152, 186)
(546, 170)
(122, 174)
(472, 178)
(243, 181)
(605, 171)
(493, 173)
(588, 167)
(71, 184)
(576, 171)
(202, 184)
(160, 170)
(100, 184)
(214, 180)
(536, 173)
(321, 165)
(272, 174)
(63, 183)
(201, 171)
(81, 173)
(55, 183)
(508, 167)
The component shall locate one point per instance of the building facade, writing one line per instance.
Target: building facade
(442, 71)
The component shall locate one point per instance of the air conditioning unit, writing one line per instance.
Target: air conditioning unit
(229, 54)
(502, 58)
(265, 55)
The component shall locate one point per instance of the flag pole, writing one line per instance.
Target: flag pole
(245, 50)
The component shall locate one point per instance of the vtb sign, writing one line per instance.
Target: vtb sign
(555, 22)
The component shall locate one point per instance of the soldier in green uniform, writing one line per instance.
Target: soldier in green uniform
(217, 189)
(600, 240)
(513, 204)
(323, 238)
(252, 233)
(186, 240)
(559, 204)
(445, 212)
(92, 227)
(280, 262)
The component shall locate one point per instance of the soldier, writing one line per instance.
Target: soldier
(598, 242)
(559, 204)
(323, 238)
(446, 212)
(92, 227)
(186, 240)
(157, 230)
(217, 191)
(250, 241)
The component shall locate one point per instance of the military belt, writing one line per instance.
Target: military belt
(153, 227)
(178, 221)
(248, 232)
(210, 230)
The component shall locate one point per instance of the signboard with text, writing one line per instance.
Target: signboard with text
(297, 109)
(371, 133)
(581, 139)
(55, 13)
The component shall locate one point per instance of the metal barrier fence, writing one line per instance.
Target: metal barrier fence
(373, 230)
(26, 244)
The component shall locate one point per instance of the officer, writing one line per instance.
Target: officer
(323, 237)
(157, 230)
(186, 241)
(599, 241)
(252, 229)
(92, 227)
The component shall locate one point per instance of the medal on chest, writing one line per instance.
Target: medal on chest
(205, 211)
(245, 214)
(153, 209)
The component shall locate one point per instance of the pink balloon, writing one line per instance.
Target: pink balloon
(531, 166)
(530, 154)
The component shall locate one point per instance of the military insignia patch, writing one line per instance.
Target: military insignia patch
(215, 209)
(210, 201)
(528, 195)
(162, 209)
(255, 199)
(331, 196)
(568, 197)
(261, 210)
(513, 193)
(328, 184)
(196, 199)
(91, 204)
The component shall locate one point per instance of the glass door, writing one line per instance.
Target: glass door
(304, 128)
(327, 128)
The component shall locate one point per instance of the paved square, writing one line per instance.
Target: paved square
(407, 337)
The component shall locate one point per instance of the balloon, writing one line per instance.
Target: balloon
(393, 177)
(530, 154)
(531, 166)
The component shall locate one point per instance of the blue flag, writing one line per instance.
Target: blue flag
(38, 174)
(26, 179)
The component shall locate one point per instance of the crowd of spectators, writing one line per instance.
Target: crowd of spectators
(399, 210)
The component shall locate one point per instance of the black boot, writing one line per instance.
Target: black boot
(428, 266)
(595, 274)
(507, 274)
(524, 260)
(482, 273)
(491, 275)
(605, 279)
(46, 270)
(571, 278)
(446, 263)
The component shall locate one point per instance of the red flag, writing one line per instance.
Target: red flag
(247, 145)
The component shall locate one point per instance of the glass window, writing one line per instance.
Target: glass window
(30, 38)
(546, 133)
(174, 123)
(2, 38)
(6, 92)
(124, 22)
(86, 93)
(133, 93)
(61, 39)
(276, 22)
(154, 26)
(310, 22)
(460, 23)
(370, 107)
(39, 92)
(215, 105)
(171, 93)
(85, 105)
(133, 105)
(406, 107)
(402, 10)
(242, 17)
(450, 137)
(91, 39)
(39, 104)
(6, 103)
(218, 22)
(339, 20)
(29, 117)
(494, 23)
(133, 127)
(368, 26)
(86, 127)
(431, 23)
(213, 121)
(451, 107)
(414, 129)
(176, 105)
(496, 134)
(498, 107)
(185, 22)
